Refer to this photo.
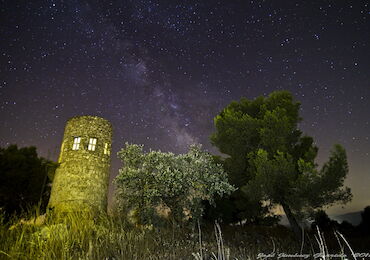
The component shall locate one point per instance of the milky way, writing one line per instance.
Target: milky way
(161, 70)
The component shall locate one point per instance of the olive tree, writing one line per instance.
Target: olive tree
(181, 182)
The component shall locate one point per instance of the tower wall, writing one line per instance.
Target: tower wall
(81, 181)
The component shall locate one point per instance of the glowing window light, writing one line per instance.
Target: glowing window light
(106, 150)
(76, 143)
(92, 144)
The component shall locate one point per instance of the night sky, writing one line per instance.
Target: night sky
(161, 70)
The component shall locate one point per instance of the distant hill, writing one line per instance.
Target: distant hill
(353, 217)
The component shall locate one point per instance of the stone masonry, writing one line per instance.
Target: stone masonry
(81, 181)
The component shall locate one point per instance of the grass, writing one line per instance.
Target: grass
(81, 236)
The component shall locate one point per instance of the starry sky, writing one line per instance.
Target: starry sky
(160, 70)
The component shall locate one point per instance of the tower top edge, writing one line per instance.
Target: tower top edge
(89, 117)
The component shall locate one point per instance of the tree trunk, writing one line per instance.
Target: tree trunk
(292, 221)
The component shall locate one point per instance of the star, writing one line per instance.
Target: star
(161, 71)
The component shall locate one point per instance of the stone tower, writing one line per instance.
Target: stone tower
(81, 181)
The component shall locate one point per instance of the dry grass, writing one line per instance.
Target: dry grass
(81, 236)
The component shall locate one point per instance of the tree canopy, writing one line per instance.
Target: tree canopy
(180, 182)
(23, 179)
(271, 161)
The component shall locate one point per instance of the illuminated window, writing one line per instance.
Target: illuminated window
(76, 143)
(106, 149)
(92, 144)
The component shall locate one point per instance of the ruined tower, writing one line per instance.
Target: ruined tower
(81, 181)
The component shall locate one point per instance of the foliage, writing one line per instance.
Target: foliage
(81, 236)
(274, 161)
(180, 182)
(278, 180)
(78, 236)
(23, 179)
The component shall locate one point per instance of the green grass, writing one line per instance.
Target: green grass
(80, 236)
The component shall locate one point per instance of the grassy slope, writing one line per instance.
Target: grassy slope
(81, 237)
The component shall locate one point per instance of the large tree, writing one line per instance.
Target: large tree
(274, 160)
(24, 179)
(153, 179)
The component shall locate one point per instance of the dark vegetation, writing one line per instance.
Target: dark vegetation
(25, 180)
(268, 160)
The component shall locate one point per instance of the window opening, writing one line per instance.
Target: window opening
(106, 150)
(76, 143)
(92, 144)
